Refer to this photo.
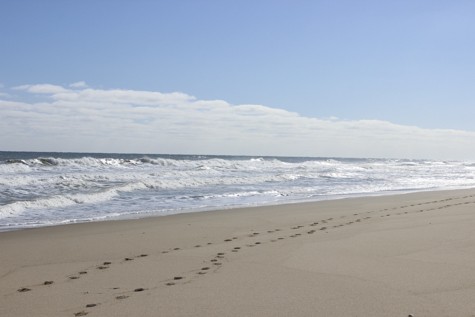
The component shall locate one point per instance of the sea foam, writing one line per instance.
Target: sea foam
(52, 188)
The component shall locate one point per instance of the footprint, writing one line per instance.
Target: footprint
(81, 313)
(23, 289)
(121, 297)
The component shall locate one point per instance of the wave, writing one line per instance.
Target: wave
(163, 173)
(217, 162)
(59, 188)
(66, 200)
(200, 163)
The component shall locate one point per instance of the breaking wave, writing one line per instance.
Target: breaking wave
(39, 189)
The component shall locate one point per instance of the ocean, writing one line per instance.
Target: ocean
(44, 189)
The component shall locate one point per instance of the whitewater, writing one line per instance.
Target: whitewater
(43, 189)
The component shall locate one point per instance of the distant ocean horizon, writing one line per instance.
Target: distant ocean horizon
(52, 188)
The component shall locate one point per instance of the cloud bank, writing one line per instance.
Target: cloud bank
(78, 118)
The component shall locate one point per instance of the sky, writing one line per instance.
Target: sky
(293, 78)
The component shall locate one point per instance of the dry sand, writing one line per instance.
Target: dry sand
(382, 256)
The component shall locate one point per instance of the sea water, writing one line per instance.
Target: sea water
(41, 189)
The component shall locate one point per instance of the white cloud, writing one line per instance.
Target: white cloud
(79, 84)
(117, 120)
(42, 89)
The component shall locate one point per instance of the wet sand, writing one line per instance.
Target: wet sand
(399, 255)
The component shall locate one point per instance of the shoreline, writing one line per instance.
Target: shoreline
(138, 216)
(66, 188)
(390, 255)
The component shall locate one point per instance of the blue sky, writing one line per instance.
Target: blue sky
(409, 63)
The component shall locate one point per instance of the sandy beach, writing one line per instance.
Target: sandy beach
(399, 255)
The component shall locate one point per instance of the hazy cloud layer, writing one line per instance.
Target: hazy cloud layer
(49, 117)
